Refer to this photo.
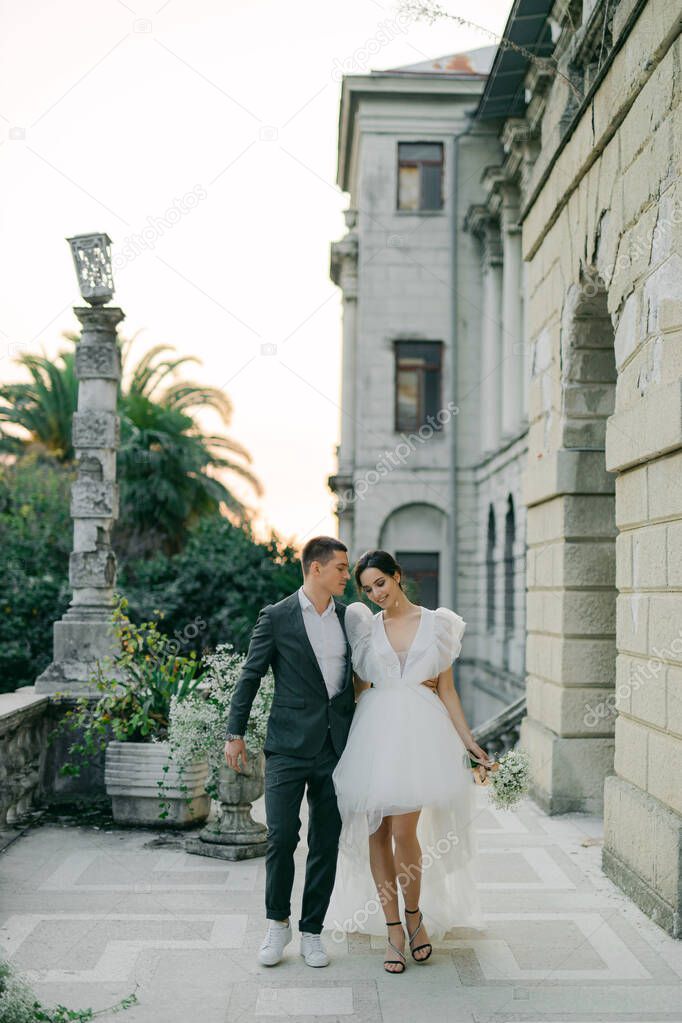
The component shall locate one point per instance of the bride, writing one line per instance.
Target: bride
(404, 775)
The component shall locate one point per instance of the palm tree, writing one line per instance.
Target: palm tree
(166, 465)
(165, 462)
(44, 408)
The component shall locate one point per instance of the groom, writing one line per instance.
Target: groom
(303, 637)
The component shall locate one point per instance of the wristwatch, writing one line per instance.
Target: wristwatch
(230, 736)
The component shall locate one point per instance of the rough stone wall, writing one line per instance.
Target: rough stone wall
(604, 484)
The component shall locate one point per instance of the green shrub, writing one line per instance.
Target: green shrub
(35, 540)
(213, 589)
(136, 687)
(210, 592)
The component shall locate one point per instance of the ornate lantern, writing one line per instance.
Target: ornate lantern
(92, 257)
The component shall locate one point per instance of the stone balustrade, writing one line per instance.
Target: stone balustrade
(23, 739)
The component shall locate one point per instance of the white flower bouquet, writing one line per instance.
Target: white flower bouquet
(508, 778)
(197, 726)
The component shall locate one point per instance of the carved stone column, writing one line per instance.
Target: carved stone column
(512, 389)
(84, 634)
(344, 273)
(491, 338)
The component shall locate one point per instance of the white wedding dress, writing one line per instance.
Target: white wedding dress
(403, 753)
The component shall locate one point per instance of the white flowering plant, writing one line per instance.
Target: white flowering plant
(136, 687)
(198, 725)
(509, 777)
(18, 1003)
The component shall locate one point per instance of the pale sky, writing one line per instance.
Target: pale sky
(114, 113)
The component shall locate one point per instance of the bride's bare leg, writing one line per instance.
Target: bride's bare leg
(407, 866)
(383, 871)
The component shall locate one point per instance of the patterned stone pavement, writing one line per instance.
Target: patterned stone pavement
(93, 915)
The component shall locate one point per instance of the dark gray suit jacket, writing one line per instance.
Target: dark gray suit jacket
(302, 713)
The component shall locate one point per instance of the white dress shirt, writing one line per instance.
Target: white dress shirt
(327, 640)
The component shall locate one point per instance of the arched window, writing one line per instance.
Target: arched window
(490, 572)
(416, 534)
(509, 538)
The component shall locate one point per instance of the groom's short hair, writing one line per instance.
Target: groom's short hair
(320, 548)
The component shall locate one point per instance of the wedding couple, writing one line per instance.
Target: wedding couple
(390, 792)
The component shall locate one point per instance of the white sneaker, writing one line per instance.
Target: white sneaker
(276, 939)
(313, 950)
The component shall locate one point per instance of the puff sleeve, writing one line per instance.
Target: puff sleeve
(449, 631)
(358, 622)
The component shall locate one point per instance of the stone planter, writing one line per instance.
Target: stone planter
(234, 835)
(132, 772)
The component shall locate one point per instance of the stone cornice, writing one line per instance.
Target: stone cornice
(102, 317)
(485, 225)
(398, 86)
(502, 192)
(340, 482)
(475, 219)
(514, 133)
(538, 80)
(343, 260)
(491, 179)
(518, 140)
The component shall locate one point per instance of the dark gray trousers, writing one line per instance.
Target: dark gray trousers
(286, 779)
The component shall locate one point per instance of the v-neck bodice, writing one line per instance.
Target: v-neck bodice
(435, 645)
(401, 655)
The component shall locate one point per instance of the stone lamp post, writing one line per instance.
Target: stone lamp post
(84, 634)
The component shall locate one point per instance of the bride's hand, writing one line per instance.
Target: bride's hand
(479, 754)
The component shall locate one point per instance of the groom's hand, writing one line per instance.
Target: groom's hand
(431, 683)
(233, 750)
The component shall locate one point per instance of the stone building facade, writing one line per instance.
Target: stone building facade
(592, 144)
(568, 241)
(417, 461)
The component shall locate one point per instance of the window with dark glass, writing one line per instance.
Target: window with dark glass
(420, 176)
(417, 383)
(421, 568)
(490, 572)
(509, 540)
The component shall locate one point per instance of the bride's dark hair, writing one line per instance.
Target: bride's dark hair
(382, 560)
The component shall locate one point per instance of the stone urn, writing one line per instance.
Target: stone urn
(135, 779)
(234, 835)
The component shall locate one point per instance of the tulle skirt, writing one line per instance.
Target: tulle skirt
(404, 754)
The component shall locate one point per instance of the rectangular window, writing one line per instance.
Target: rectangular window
(418, 375)
(421, 568)
(420, 176)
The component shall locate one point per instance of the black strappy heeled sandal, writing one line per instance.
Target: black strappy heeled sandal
(411, 937)
(397, 962)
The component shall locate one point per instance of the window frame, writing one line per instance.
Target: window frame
(509, 568)
(437, 369)
(403, 557)
(491, 570)
(419, 164)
